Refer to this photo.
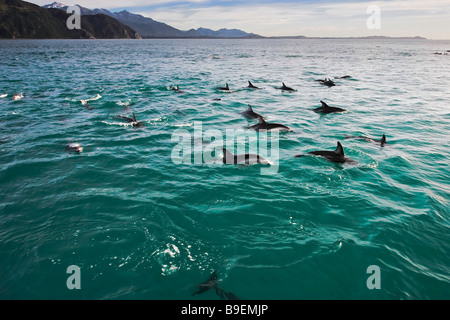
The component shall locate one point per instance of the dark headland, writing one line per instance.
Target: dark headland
(24, 20)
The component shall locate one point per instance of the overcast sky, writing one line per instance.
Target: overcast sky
(322, 18)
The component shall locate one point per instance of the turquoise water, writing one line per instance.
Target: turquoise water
(140, 226)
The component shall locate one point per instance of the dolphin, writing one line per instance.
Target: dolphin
(337, 155)
(208, 284)
(343, 77)
(245, 159)
(17, 97)
(327, 82)
(133, 121)
(212, 283)
(251, 86)
(226, 88)
(284, 87)
(74, 147)
(327, 109)
(249, 113)
(176, 89)
(382, 141)
(226, 295)
(263, 125)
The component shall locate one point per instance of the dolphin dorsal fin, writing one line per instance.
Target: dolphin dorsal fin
(383, 139)
(227, 87)
(261, 120)
(284, 86)
(324, 105)
(249, 108)
(228, 157)
(134, 117)
(250, 84)
(339, 150)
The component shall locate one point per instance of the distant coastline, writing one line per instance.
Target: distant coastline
(300, 38)
(363, 38)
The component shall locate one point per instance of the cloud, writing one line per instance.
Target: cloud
(399, 18)
(289, 17)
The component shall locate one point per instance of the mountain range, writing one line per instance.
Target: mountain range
(24, 20)
(149, 28)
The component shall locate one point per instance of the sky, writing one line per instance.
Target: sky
(323, 18)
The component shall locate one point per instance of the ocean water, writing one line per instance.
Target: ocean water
(140, 225)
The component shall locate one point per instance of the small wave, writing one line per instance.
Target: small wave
(312, 73)
(83, 102)
(3, 95)
(127, 103)
(122, 124)
(157, 120)
(17, 97)
(405, 54)
(363, 160)
(190, 124)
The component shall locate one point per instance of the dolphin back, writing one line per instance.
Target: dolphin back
(228, 157)
(208, 284)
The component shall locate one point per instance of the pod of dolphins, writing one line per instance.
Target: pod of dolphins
(337, 155)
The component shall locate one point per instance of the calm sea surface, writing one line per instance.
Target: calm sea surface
(140, 225)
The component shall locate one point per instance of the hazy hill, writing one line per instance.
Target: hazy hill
(149, 28)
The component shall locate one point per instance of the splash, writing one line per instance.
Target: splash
(83, 102)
